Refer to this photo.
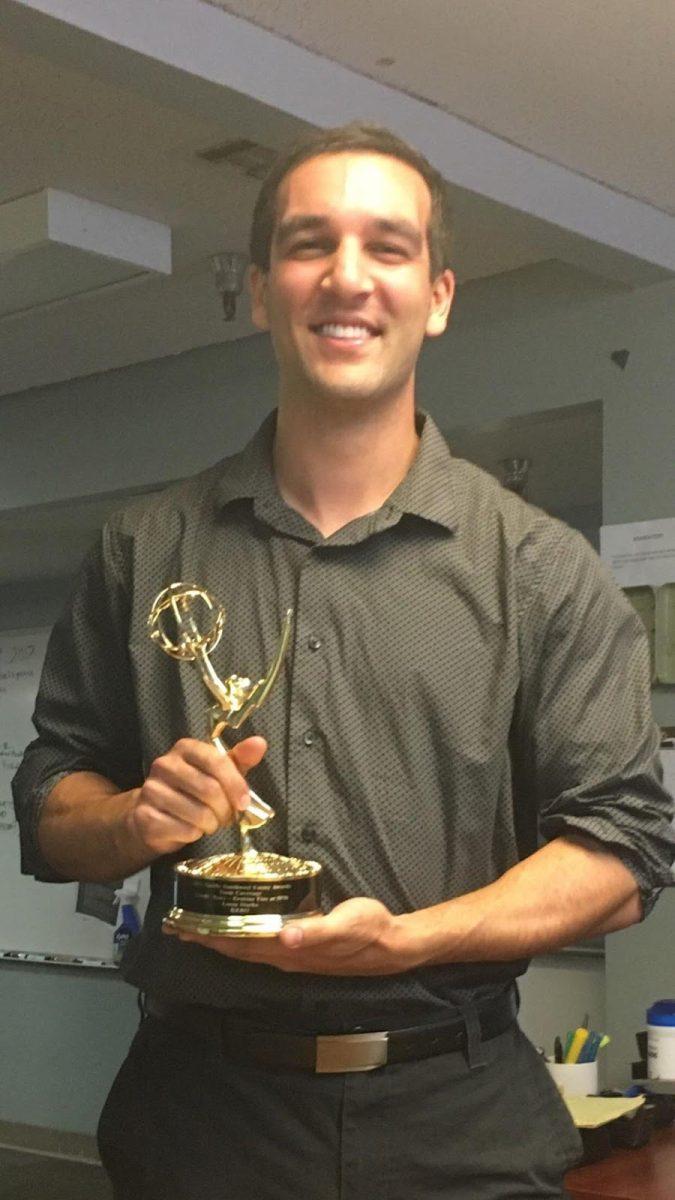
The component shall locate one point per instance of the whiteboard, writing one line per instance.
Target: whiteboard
(38, 921)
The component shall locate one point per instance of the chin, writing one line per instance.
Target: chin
(350, 391)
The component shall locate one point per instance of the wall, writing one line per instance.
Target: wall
(140, 425)
(157, 421)
(558, 991)
(640, 970)
(63, 1034)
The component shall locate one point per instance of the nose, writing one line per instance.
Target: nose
(348, 273)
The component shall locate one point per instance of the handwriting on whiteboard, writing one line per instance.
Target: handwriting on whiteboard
(21, 656)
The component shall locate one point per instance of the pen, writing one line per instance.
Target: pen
(557, 1051)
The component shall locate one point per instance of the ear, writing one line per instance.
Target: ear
(257, 283)
(442, 294)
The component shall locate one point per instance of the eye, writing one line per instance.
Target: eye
(389, 250)
(309, 248)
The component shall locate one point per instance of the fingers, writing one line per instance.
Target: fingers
(162, 833)
(353, 939)
(348, 928)
(248, 753)
(193, 790)
(212, 778)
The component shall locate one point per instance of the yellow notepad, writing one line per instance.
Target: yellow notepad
(589, 1112)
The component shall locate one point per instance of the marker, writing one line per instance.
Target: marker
(578, 1039)
(589, 1051)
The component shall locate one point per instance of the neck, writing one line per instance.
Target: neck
(333, 466)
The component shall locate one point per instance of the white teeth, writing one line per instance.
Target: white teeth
(344, 331)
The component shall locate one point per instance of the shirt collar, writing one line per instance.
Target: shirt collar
(427, 491)
(249, 473)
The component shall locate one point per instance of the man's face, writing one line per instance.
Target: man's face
(348, 298)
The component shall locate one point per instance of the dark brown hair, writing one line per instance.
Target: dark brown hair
(362, 138)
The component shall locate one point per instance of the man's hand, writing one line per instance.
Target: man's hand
(359, 937)
(567, 890)
(190, 791)
(91, 831)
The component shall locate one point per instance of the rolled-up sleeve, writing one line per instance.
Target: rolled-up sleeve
(589, 747)
(85, 713)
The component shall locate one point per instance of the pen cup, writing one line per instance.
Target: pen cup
(575, 1079)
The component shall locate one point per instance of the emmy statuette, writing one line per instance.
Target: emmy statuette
(248, 893)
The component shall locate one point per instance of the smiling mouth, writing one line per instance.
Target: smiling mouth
(355, 332)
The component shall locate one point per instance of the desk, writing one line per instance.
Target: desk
(645, 1174)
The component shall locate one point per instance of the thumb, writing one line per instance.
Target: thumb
(248, 753)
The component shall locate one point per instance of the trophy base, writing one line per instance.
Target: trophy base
(264, 926)
(243, 895)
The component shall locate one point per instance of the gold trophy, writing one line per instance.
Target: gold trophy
(246, 894)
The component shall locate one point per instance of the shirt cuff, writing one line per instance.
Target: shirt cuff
(650, 883)
(649, 893)
(33, 861)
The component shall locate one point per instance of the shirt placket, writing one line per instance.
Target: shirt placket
(306, 773)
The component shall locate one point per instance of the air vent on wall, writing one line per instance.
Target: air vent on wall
(251, 158)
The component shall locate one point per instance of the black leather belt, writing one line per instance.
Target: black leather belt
(330, 1053)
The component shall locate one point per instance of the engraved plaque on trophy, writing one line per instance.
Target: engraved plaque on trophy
(247, 893)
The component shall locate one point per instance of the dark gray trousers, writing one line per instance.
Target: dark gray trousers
(184, 1123)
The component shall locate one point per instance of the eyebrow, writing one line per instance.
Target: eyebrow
(306, 223)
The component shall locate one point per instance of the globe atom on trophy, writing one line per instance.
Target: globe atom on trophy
(248, 893)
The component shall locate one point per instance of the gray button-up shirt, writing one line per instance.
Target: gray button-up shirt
(464, 680)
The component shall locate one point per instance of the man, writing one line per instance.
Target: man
(464, 681)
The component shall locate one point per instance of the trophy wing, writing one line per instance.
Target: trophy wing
(262, 688)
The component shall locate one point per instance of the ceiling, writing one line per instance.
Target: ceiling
(588, 85)
(99, 140)
(107, 124)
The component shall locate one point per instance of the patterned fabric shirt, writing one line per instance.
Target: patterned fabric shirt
(465, 680)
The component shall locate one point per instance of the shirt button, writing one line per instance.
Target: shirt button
(309, 737)
(308, 832)
(314, 642)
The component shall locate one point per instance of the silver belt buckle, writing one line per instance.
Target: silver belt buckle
(350, 1052)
